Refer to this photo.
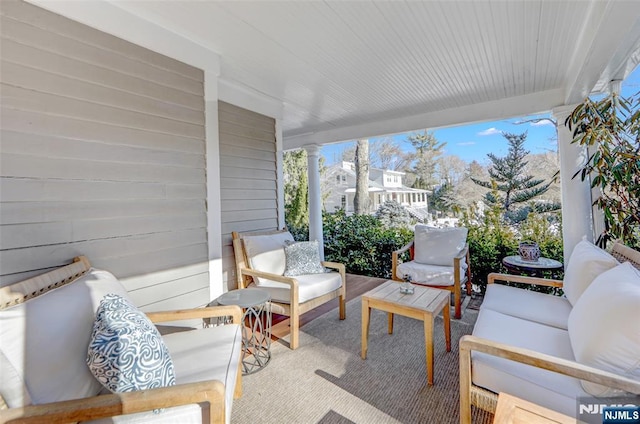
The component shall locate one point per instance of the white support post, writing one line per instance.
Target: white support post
(315, 196)
(280, 173)
(577, 217)
(214, 214)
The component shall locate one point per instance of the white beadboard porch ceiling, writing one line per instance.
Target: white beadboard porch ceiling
(349, 69)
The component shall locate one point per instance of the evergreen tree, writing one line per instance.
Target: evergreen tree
(392, 215)
(296, 188)
(510, 183)
(428, 152)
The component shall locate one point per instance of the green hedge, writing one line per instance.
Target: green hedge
(364, 245)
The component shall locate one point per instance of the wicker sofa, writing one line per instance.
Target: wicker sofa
(551, 350)
(47, 324)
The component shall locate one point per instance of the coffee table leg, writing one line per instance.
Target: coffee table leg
(390, 322)
(366, 313)
(428, 340)
(446, 317)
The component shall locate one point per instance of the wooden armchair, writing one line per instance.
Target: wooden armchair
(290, 296)
(195, 394)
(447, 277)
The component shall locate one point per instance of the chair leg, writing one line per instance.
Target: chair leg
(343, 307)
(456, 297)
(468, 284)
(294, 322)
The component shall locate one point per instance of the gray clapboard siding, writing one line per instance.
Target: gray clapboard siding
(71, 127)
(36, 58)
(248, 181)
(66, 148)
(102, 154)
(38, 212)
(54, 104)
(60, 25)
(44, 81)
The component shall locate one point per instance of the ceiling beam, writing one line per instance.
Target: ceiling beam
(488, 111)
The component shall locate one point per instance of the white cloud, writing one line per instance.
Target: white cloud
(490, 131)
(466, 143)
(541, 123)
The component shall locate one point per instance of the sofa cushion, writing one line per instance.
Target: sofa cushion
(586, 262)
(604, 326)
(526, 304)
(45, 332)
(438, 246)
(551, 390)
(195, 359)
(309, 287)
(302, 258)
(435, 275)
(266, 253)
(126, 352)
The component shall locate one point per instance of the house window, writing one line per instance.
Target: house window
(343, 202)
(395, 178)
(338, 178)
(344, 178)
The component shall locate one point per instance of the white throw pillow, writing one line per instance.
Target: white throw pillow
(266, 252)
(604, 326)
(587, 261)
(438, 246)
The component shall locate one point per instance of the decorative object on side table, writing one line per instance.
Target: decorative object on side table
(529, 251)
(407, 287)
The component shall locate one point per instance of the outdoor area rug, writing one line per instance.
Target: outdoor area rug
(326, 381)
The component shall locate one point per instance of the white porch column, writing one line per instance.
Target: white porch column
(577, 218)
(315, 196)
(214, 213)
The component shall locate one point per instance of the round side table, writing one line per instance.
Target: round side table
(516, 265)
(256, 332)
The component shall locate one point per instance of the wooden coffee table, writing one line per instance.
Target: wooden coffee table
(424, 304)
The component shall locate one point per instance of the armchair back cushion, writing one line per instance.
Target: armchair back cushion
(604, 326)
(586, 262)
(438, 246)
(266, 253)
(45, 332)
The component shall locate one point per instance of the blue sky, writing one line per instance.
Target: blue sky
(473, 142)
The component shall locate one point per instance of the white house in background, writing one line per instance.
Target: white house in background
(339, 188)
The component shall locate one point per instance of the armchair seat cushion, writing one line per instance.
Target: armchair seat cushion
(433, 275)
(552, 390)
(309, 287)
(529, 305)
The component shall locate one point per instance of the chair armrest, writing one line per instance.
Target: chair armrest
(211, 392)
(493, 277)
(334, 265)
(395, 255)
(208, 312)
(269, 276)
(574, 369)
(402, 249)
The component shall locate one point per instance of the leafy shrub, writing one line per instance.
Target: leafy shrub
(362, 243)
(492, 239)
(393, 214)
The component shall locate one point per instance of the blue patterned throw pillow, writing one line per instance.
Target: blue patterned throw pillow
(302, 258)
(126, 352)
